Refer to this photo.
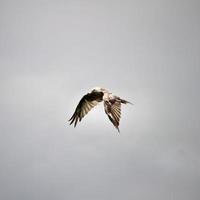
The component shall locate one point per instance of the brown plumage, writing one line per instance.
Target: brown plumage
(87, 102)
(112, 106)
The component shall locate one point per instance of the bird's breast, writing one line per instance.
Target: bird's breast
(107, 96)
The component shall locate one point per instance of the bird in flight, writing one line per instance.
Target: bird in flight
(112, 106)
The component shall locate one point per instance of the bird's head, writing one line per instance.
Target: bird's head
(98, 89)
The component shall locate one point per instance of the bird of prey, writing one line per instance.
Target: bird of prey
(112, 105)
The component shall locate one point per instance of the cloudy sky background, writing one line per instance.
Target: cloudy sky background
(53, 52)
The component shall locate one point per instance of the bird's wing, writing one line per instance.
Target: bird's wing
(113, 110)
(87, 102)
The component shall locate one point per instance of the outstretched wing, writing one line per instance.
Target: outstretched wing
(87, 102)
(113, 110)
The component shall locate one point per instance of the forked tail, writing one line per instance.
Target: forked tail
(125, 102)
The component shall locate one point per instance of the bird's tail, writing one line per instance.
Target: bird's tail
(125, 102)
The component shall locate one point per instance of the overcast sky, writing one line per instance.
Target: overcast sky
(52, 52)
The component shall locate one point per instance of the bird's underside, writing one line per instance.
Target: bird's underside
(112, 106)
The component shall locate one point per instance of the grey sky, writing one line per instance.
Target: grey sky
(53, 52)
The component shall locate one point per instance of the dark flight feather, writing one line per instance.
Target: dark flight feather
(113, 110)
(87, 102)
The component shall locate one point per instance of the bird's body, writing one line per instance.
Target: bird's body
(112, 105)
